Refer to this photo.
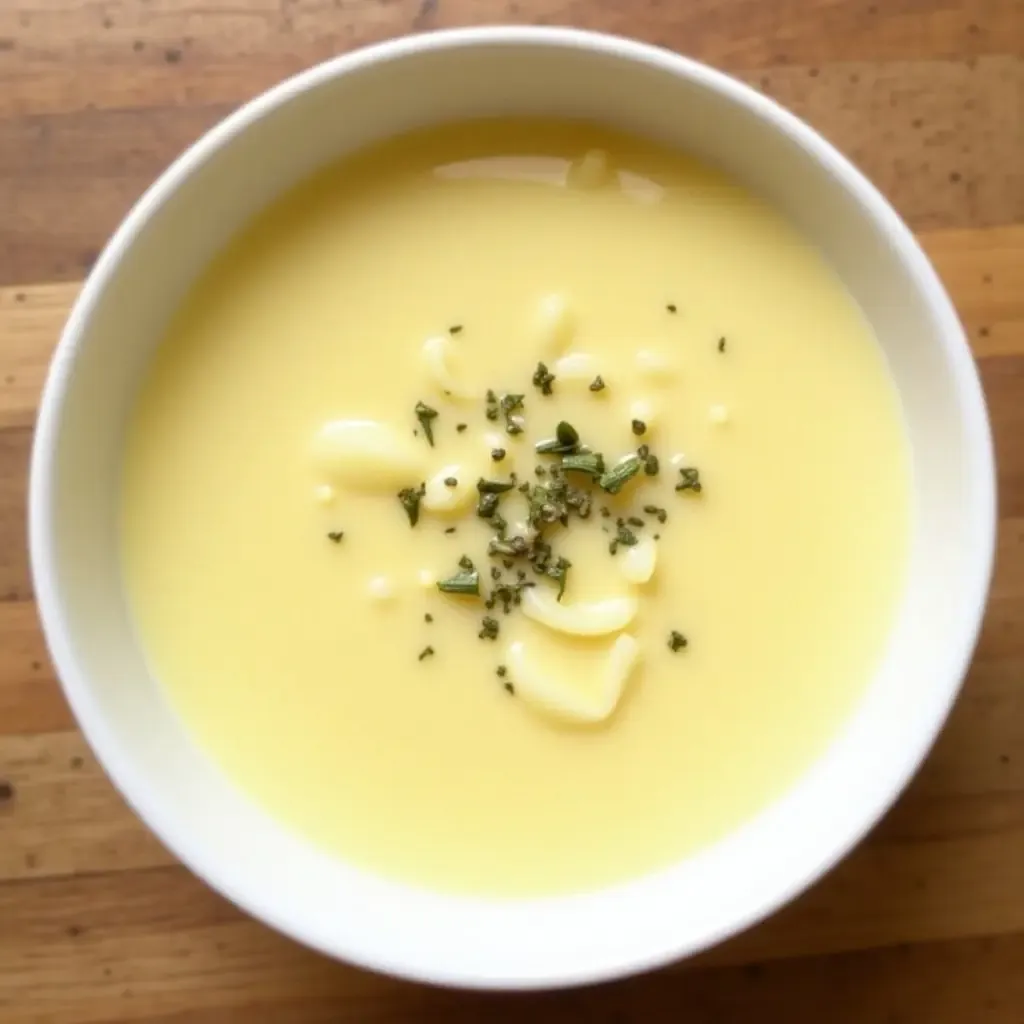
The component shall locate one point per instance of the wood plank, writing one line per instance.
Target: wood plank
(156, 945)
(151, 53)
(941, 139)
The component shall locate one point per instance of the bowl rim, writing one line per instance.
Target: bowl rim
(75, 683)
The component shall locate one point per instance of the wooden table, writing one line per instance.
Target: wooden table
(924, 924)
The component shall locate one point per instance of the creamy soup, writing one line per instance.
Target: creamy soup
(516, 508)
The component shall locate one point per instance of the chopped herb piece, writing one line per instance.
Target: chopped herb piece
(500, 524)
(425, 653)
(487, 505)
(498, 454)
(676, 641)
(465, 562)
(635, 521)
(644, 451)
(659, 513)
(613, 547)
(558, 572)
(689, 480)
(567, 434)
(552, 446)
(639, 427)
(539, 470)
(510, 406)
(449, 529)
(509, 688)
(428, 617)
(626, 537)
(651, 465)
(451, 481)
(671, 307)
(495, 573)
(467, 582)
(721, 344)
(460, 427)
(455, 329)
(336, 536)
(597, 384)
(426, 416)
(493, 486)
(491, 408)
(543, 378)
(513, 547)
(605, 511)
(614, 480)
(501, 671)
(592, 463)
(410, 499)
(488, 628)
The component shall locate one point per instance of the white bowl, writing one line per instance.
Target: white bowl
(140, 278)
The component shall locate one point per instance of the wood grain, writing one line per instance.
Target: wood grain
(924, 924)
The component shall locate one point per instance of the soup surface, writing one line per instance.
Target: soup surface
(726, 511)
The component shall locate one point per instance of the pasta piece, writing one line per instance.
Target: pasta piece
(367, 455)
(637, 562)
(581, 366)
(591, 170)
(437, 358)
(584, 703)
(441, 495)
(585, 618)
(553, 324)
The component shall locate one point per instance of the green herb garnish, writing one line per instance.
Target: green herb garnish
(488, 628)
(597, 384)
(497, 454)
(455, 329)
(639, 427)
(491, 408)
(451, 481)
(487, 505)
(625, 536)
(689, 480)
(494, 486)
(659, 513)
(510, 406)
(567, 435)
(426, 416)
(543, 378)
(592, 463)
(671, 307)
(460, 427)
(616, 477)
(651, 465)
(410, 498)
(335, 535)
(721, 344)
(558, 572)
(425, 653)
(465, 582)
(509, 688)
(676, 641)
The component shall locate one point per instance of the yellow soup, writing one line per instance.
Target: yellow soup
(726, 512)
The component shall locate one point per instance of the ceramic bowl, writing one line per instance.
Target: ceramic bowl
(196, 206)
